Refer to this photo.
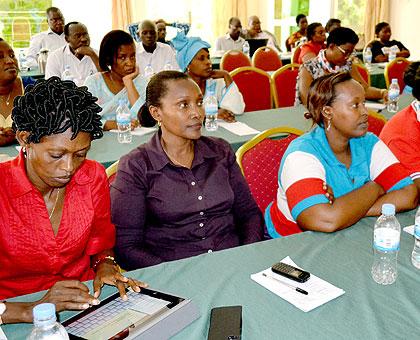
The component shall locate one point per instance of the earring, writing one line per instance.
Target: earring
(24, 151)
(159, 123)
(329, 125)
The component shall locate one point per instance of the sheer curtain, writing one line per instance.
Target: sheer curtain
(121, 14)
(376, 11)
(223, 10)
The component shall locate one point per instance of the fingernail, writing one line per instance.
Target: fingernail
(96, 294)
(137, 289)
(85, 306)
(125, 298)
(95, 302)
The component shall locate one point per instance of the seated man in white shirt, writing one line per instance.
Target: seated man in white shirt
(254, 31)
(158, 55)
(232, 40)
(51, 39)
(81, 60)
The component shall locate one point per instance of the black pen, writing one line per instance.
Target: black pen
(299, 290)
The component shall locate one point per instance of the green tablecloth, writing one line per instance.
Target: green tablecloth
(366, 311)
(377, 77)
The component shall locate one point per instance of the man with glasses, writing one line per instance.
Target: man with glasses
(337, 57)
(51, 39)
(232, 40)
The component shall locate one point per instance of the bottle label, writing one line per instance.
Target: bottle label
(393, 94)
(385, 239)
(123, 118)
(417, 230)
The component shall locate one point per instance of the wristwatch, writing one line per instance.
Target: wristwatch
(2, 310)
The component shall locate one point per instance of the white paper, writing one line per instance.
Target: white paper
(139, 131)
(375, 106)
(2, 335)
(238, 128)
(409, 229)
(319, 291)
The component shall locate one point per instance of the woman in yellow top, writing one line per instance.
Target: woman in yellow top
(10, 87)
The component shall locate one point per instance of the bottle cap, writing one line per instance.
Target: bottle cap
(44, 311)
(388, 209)
(394, 80)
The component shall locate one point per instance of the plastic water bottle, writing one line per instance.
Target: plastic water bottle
(22, 60)
(46, 326)
(66, 75)
(245, 48)
(167, 66)
(415, 255)
(393, 96)
(367, 57)
(148, 71)
(210, 108)
(386, 244)
(123, 118)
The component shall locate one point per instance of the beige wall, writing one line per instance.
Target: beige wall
(404, 23)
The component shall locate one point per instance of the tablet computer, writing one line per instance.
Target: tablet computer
(149, 314)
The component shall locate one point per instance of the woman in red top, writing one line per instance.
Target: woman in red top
(55, 226)
(316, 42)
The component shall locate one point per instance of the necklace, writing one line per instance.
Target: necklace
(8, 98)
(174, 160)
(55, 204)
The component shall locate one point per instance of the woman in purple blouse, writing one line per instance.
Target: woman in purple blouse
(180, 194)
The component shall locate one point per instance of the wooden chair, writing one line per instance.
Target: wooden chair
(259, 160)
(396, 69)
(283, 83)
(255, 86)
(265, 58)
(233, 59)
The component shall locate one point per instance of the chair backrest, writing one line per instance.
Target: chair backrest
(255, 86)
(364, 72)
(265, 58)
(296, 54)
(376, 122)
(283, 83)
(21, 31)
(259, 160)
(233, 59)
(396, 69)
(111, 171)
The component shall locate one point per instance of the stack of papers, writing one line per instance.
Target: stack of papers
(139, 131)
(238, 128)
(319, 291)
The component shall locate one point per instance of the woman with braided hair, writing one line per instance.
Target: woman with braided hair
(55, 225)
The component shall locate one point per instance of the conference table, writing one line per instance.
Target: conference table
(107, 150)
(366, 311)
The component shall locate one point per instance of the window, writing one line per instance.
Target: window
(19, 20)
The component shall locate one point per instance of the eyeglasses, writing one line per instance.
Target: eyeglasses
(347, 54)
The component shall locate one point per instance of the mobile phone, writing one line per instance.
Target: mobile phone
(290, 272)
(225, 323)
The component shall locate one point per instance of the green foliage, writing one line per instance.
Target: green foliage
(351, 13)
(34, 11)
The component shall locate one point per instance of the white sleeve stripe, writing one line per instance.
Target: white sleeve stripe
(415, 175)
(300, 165)
(382, 158)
